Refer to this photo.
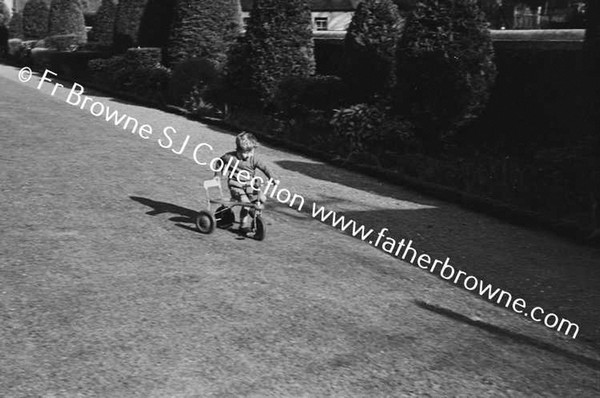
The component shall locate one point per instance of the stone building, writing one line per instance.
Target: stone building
(327, 15)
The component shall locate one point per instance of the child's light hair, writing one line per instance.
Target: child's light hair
(246, 142)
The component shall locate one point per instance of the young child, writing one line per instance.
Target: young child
(239, 183)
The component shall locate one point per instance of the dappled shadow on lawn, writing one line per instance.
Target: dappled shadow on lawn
(349, 178)
(518, 337)
(546, 271)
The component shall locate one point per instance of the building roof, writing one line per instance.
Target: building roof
(318, 5)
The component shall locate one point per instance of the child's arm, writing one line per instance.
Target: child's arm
(262, 166)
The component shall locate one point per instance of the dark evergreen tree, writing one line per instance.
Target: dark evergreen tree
(278, 44)
(156, 23)
(445, 67)
(104, 27)
(15, 26)
(35, 19)
(127, 23)
(370, 48)
(66, 18)
(204, 29)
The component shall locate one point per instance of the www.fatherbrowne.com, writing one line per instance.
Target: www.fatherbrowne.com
(406, 251)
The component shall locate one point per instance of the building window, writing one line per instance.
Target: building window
(321, 23)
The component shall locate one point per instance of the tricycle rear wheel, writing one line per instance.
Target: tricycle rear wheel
(205, 222)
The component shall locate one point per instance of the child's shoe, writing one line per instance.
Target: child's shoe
(245, 225)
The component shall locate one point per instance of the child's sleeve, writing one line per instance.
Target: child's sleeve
(262, 166)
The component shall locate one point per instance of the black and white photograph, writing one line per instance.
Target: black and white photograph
(299, 198)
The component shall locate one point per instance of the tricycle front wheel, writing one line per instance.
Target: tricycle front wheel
(260, 229)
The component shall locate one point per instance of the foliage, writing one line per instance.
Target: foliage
(35, 19)
(405, 6)
(4, 14)
(15, 26)
(197, 105)
(295, 96)
(63, 42)
(19, 51)
(137, 72)
(66, 18)
(194, 74)
(204, 29)
(445, 66)
(127, 23)
(156, 23)
(278, 44)
(370, 48)
(104, 26)
(369, 128)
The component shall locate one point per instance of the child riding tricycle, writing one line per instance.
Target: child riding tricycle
(244, 188)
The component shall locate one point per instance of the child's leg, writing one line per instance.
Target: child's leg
(244, 213)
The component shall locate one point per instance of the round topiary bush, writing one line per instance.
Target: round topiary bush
(444, 67)
(204, 29)
(104, 27)
(194, 74)
(127, 24)
(66, 18)
(35, 19)
(278, 44)
(370, 48)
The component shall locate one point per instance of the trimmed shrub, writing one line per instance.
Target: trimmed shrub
(63, 42)
(127, 24)
(66, 18)
(137, 72)
(192, 75)
(204, 29)
(156, 23)
(367, 128)
(15, 26)
(278, 44)
(358, 126)
(370, 48)
(445, 67)
(35, 19)
(104, 27)
(295, 96)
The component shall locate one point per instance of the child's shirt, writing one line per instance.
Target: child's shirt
(249, 165)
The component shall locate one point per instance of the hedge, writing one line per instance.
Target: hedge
(156, 22)
(445, 67)
(66, 18)
(127, 24)
(104, 28)
(278, 44)
(370, 48)
(204, 29)
(15, 26)
(35, 19)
